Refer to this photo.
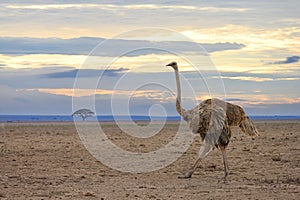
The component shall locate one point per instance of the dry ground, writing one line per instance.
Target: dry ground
(48, 161)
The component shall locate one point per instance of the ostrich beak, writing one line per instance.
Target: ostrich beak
(172, 64)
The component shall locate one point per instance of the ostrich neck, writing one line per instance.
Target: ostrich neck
(179, 108)
(178, 86)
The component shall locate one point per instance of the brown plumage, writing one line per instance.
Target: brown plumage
(212, 119)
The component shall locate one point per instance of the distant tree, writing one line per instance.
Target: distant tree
(84, 113)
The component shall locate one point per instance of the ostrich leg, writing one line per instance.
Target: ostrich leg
(225, 162)
(204, 151)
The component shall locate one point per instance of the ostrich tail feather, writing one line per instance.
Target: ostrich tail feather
(248, 127)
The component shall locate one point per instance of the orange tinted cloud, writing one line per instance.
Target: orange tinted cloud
(149, 94)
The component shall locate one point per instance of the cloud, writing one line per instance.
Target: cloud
(77, 18)
(85, 73)
(288, 60)
(256, 39)
(33, 102)
(111, 47)
(37, 96)
(41, 100)
(221, 21)
(26, 45)
(235, 99)
(242, 76)
(246, 78)
(71, 92)
(274, 109)
(115, 7)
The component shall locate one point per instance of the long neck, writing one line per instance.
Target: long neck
(179, 108)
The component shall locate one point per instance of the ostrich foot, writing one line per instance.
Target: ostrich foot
(224, 179)
(186, 175)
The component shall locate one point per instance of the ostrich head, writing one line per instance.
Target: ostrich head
(173, 65)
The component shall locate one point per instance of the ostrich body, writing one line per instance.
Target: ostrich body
(212, 119)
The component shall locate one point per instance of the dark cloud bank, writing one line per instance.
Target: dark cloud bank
(111, 47)
(84, 73)
(288, 60)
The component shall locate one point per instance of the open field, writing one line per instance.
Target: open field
(48, 161)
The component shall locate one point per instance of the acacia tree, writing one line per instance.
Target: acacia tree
(83, 113)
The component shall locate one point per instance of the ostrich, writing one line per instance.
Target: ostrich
(212, 119)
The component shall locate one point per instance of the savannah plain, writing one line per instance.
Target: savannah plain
(48, 161)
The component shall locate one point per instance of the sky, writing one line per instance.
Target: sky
(110, 56)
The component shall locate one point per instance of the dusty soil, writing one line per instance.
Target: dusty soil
(49, 161)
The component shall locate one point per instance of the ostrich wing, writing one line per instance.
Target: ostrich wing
(218, 132)
(209, 120)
